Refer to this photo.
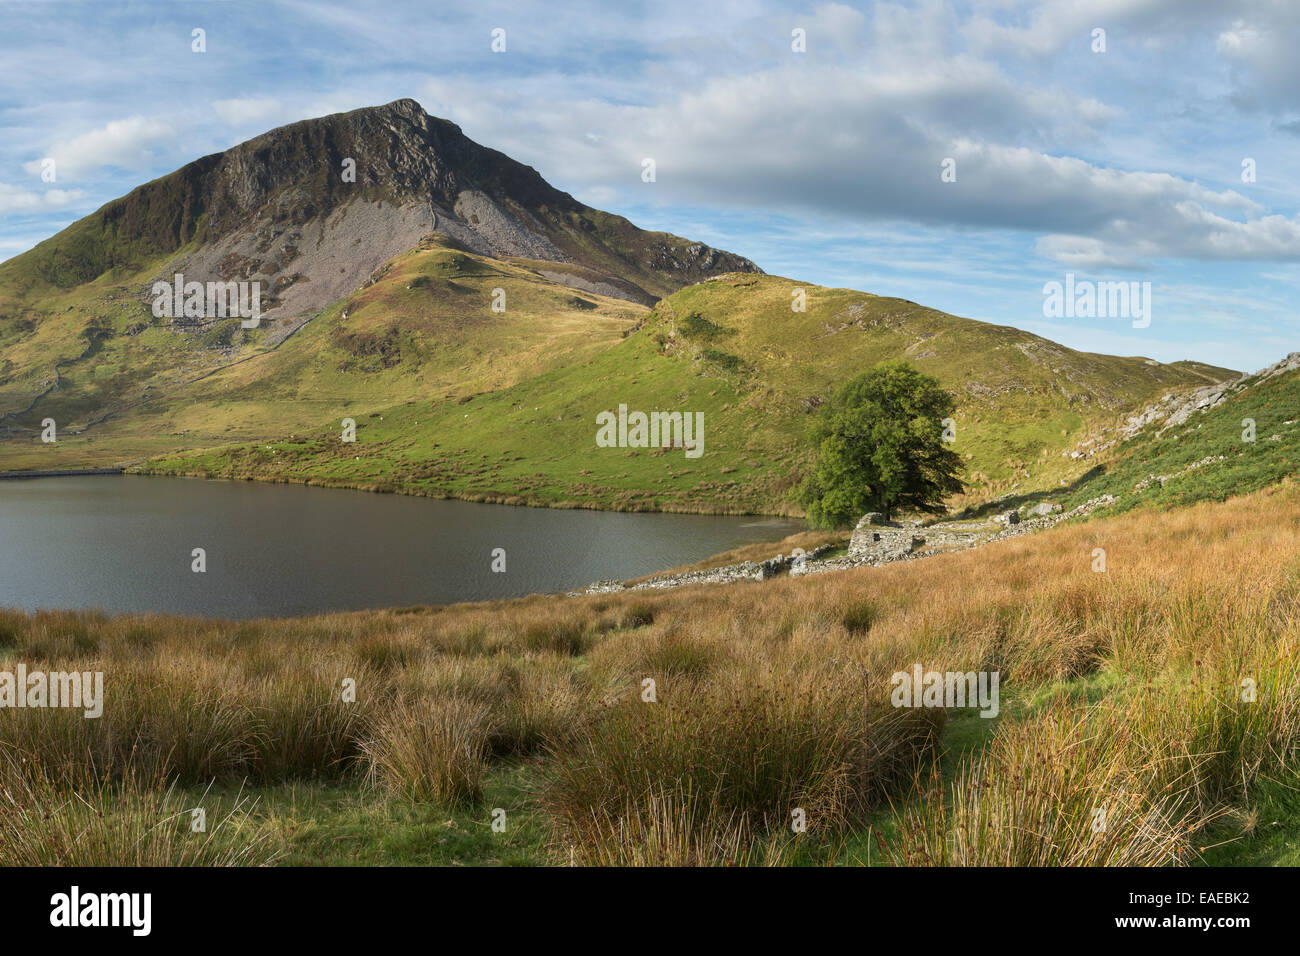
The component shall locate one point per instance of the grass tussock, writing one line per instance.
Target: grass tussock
(1065, 789)
(743, 752)
(677, 828)
(131, 821)
(434, 752)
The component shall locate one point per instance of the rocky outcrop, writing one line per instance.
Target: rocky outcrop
(1175, 409)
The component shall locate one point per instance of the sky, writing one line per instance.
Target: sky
(962, 155)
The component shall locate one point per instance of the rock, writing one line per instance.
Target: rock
(605, 587)
(869, 546)
(1043, 508)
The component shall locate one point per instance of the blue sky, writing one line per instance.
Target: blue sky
(822, 165)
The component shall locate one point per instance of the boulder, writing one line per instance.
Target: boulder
(1043, 508)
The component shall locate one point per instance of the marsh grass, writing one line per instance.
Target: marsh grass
(434, 752)
(740, 753)
(130, 821)
(1068, 788)
(677, 828)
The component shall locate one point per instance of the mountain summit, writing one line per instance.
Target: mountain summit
(313, 208)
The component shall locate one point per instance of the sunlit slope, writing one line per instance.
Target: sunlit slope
(131, 386)
(734, 349)
(1248, 437)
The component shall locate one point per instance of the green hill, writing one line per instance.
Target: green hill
(733, 349)
(129, 389)
(388, 215)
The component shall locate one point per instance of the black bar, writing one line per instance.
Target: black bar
(921, 909)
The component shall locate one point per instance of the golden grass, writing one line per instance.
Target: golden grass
(435, 751)
(741, 750)
(770, 697)
(131, 821)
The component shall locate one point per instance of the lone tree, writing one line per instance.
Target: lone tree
(880, 446)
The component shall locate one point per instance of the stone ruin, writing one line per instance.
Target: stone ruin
(876, 539)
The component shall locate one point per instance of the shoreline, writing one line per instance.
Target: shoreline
(507, 499)
(903, 543)
(510, 499)
(61, 473)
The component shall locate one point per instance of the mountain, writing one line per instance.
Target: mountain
(79, 343)
(473, 321)
(283, 208)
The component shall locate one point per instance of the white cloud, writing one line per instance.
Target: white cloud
(127, 144)
(1046, 26)
(17, 199)
(1260, 52)
(241, 112)
(857, 143)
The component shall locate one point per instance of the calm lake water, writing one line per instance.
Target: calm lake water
(124, 543)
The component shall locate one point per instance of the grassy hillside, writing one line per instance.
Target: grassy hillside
(1207, 457)
(78, 343)
(733, 349)
(1119, 691)
(131, 386)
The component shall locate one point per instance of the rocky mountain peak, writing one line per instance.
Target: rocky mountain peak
(313, 207)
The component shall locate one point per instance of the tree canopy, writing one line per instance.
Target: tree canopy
(879, 444)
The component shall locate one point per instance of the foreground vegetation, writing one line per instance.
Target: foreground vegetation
(1150, 715)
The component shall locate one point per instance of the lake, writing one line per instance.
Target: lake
(124, 543)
